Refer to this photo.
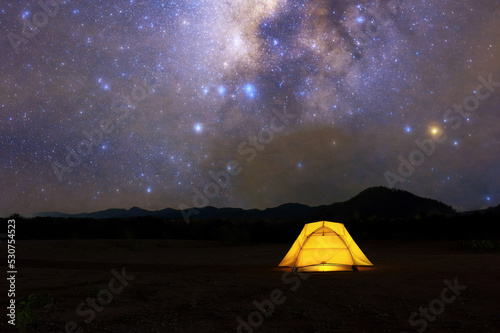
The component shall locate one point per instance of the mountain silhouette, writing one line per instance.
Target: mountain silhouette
(372, 203)
(385, 203)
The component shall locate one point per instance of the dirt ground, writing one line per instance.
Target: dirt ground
(195, 286)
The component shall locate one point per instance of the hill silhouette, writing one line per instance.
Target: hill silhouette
(375, 213)
(385, 203)
(372, 203)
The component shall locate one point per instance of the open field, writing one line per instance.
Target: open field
(199, 286)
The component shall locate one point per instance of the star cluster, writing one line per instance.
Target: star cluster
(140, 103)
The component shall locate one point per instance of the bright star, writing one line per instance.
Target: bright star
(434, 130)
(250, 90)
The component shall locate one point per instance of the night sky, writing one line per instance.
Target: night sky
(246, 103)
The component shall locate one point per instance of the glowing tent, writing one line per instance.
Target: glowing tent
(324, 246)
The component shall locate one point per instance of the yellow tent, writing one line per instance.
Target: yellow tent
(323, 247)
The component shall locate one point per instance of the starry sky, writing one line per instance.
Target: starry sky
(246, 103)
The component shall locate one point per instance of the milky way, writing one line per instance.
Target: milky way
(247, 103)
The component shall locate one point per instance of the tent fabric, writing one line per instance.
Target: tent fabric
(324, 246)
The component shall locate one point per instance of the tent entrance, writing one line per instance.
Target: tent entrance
(323, 247)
